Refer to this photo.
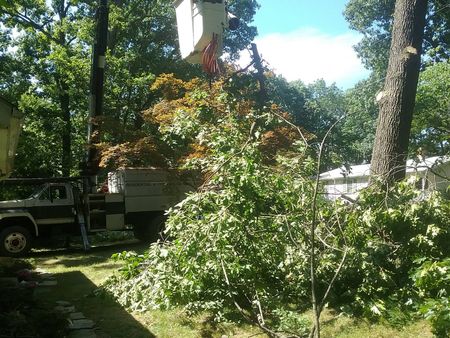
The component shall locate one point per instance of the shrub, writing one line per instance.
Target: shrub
(242, 242)
(389, 232)
(432, 280)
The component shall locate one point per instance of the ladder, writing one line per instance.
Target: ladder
(81, 219)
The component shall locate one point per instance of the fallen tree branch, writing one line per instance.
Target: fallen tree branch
(261, 325)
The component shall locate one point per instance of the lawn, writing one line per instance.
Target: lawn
(79, 273)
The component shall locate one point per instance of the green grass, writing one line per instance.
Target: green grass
(345, 327)
(80, 273)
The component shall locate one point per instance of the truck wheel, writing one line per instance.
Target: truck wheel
(15, 241)
(150, 232)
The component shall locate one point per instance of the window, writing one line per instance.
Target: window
(58, 192)
(351, 185)
(422, 183)
(45, 194)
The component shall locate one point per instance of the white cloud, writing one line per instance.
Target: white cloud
(308, 55)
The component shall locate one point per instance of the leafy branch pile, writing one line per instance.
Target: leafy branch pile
(241, 242)
(393, 234)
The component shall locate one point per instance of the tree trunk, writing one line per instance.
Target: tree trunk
(397, 103)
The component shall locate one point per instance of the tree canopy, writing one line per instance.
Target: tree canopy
(431, 123)
(374, 19)
(46, 47)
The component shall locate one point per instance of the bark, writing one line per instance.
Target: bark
(397, 103)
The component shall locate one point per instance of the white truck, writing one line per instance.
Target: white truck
(136, 199)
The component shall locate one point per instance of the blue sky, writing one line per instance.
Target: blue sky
(283, 16)
(308, 40)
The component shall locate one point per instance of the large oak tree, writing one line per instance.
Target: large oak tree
(397, 103)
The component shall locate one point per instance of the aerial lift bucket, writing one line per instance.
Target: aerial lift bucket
(198, 22)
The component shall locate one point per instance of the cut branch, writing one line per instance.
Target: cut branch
(316, 308)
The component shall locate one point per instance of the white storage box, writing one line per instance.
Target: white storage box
(10, 125)
(147, 189)
(145, 182)
(197, 21)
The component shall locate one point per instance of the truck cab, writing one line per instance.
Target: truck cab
(49, 211)
(52, 204)
(136, 200)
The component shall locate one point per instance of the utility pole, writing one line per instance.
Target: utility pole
(90, 167)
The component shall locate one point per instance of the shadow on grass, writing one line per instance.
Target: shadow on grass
(110, 317)
(97, 252)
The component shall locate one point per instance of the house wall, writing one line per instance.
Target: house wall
(348, 186)
(437, 178)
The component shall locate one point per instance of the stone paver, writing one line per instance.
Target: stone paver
(81, 324)
(64, 309)
(76, 315)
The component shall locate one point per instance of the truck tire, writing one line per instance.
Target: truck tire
(15, 241)
(149, 233)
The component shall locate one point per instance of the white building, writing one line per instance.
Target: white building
(434, 173)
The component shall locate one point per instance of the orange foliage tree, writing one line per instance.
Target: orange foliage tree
(170, 134)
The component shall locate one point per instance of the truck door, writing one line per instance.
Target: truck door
(55, 205)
